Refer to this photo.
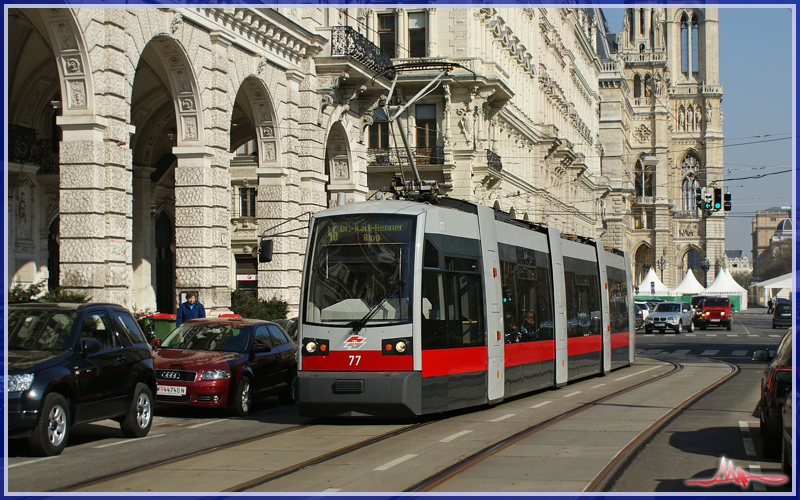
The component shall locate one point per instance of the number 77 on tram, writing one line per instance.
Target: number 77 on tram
(411, 308)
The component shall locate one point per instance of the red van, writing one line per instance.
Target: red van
(713, 311)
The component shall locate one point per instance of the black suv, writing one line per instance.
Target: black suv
(76, 363)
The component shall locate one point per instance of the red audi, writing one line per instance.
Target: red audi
(225, 363)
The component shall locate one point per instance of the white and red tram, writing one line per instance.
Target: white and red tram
(411, 308)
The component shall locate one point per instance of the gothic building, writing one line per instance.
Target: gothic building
(661, 128)
(150, 148)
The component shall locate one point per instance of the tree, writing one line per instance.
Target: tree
(247, 305)
(33, 293)
(743, 279)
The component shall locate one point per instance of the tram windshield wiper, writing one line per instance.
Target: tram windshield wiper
(358, 325)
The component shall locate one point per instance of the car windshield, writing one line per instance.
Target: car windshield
(39, 329)
(696, 300)
(204, 337)
(360, 270)
(668, 307)
(715, 303)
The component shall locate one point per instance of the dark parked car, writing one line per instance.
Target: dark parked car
(225, 363)
(76, 363)
(696, 300)
(782, 315)
(289, 326)
(638, 317)
(713, 311)
(776, 386)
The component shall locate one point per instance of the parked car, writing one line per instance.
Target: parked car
(786, 442)
(289, 326)
(76, 363)
(782, 315)
(714, 311)
(652, 303)
(645, 308)
(776, 386)
(638, 317)
(673, 315)
(696, 300)
(225, 363)
(156, 325)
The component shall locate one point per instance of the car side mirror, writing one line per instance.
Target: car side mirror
(156, 342)
(761, 355)
(90, 346)
(262, 348)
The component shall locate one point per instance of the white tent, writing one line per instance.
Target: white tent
(651, 284)
(689, 285)
(740, 287)
(775, 287)
(725, 285)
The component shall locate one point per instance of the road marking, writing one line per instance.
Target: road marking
(572, 394)
(649, 335)
(332, 490)
(31, 461)
(711, 334)
(596, 386)
(137, 440)
(744, 426)
(739, 353)
(691, 335)
(454, 436)
(749, 449)
(639, 373)
(732, 335)
(755, 469)
(754, 335)
(670, 335)
(207, 423)
(709, 352)
(745, 328)
(541, 404)
(503, 417)
(775, 336)
(395, 462)
(652, 351)
(681, 352)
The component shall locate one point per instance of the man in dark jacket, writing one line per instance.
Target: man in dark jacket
(190, 309)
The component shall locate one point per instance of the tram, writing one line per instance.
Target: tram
(413, 308)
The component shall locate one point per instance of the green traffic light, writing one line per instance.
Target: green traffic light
(717, 206)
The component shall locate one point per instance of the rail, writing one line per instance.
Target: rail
(346, 41)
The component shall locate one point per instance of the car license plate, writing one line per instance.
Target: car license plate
(170, 390)
(658, 325)
(715, 321)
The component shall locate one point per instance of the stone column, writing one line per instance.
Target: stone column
(95, 207)
(143, 244)
(200, 238)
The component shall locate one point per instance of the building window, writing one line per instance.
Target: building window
(688, 194)
(247, 202)
(643, 218)
(416, 34)
(425, 115)
(379, 131)
(644, 179)
(695, 44)
(248, 148)
(247, 274)
(685, 45)
(637, 86)
(387, 35)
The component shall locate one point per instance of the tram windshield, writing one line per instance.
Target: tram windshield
(360, 270)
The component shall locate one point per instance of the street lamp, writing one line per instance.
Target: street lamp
(661, 264)
(705, 265)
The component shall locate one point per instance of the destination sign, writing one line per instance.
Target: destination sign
(342, 230)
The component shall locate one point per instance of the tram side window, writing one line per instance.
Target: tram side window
(583, 298)
(618, 299)
(465, 310)
(527, 306)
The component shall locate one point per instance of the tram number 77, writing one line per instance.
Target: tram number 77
(354, 360)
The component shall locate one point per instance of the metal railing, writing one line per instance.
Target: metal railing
(346, 41)
(493, 160)
(397, 156)
(26, 148)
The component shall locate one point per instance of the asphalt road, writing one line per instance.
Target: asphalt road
(723, 424)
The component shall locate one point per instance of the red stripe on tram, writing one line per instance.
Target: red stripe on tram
(438, 362)
(622, 339)
(529, 352)
(583, 345)
(361, 361)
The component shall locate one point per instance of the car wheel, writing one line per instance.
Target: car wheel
(140, 416)
(289, 397)
(679, 328)
(773, 326)
(51, 433)
(648, 331)
(691, 327)
(243, 399)
(729, 327)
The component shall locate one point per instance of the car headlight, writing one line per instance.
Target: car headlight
(20, 383)
(216, 375)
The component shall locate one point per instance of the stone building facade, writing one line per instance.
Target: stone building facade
(764, 227)
(661, 128)
(150, 148)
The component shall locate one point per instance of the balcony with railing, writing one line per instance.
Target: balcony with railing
(350, 53)
(24, 147)
(397, 156)
(346, 41)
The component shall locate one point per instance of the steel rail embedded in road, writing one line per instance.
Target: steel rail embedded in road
(623, 458)
(456, 469)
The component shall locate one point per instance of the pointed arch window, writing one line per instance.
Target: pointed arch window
(687, 194)
(633, 25)
(637, 86)
(695, 41)
(648, 85)
(641, 21)
(644, 179)
(685, 45)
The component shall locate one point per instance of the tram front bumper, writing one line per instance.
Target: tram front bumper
(346, 394)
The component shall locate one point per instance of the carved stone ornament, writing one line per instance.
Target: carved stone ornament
(190, 127)
(269, 151)
(690, 163)
(262, 65)
(77, 94)
(187, 104)
(65, 37)
(267, 132)
(177, 20)
(73, 65)
(341, 170)
(642, 133)
(183, 82)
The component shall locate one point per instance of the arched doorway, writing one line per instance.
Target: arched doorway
(338, 166)
(165, 265)
(643, 261)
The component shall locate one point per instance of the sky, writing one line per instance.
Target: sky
(756, 66)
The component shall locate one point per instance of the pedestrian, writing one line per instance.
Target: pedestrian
(190, 309)
(770, 305)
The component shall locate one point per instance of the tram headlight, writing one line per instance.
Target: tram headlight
(311, 347)
(396, 347)
(315, 347)
(400, 346)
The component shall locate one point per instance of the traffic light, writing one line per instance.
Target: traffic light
(727, 204)
(708, 202)
(717, 199)
(698, 197)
